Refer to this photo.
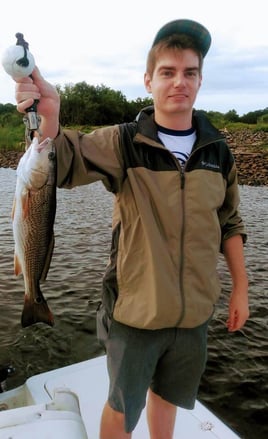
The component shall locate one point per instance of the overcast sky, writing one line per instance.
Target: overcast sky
(106, 42)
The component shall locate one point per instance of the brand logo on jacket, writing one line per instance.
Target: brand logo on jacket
(208, 165)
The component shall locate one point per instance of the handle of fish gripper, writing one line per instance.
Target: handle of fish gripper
(33, 107)
(32, 116)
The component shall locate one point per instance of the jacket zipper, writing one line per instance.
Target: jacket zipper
(182, 176)
(182, 248)
(181, 269)
(181, 263)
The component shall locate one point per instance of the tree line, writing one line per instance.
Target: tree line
(87, 105)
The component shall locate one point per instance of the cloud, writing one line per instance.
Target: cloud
(108, 45)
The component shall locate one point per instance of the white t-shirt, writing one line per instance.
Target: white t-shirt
(179, 142)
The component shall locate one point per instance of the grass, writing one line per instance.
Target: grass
(12, 135)
(12, 138)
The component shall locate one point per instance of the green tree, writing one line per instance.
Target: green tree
(216, 118)
(231, 116)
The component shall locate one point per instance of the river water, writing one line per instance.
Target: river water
(235, 383)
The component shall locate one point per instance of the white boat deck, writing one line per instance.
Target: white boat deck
(88, 380)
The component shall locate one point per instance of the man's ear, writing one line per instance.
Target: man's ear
(147, 82)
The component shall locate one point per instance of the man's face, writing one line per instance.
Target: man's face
(174, 83)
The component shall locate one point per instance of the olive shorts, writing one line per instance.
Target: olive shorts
(169, 361)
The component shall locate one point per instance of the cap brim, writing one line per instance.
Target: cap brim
(189, 27)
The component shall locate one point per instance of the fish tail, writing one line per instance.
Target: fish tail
(35, 312)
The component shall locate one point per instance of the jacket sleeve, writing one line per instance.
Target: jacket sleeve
(87, 158)
(229, 215)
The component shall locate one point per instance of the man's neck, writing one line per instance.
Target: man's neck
(175, 121)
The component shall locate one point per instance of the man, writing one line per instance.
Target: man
(176, 206)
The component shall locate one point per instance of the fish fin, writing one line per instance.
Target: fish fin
(17, 266)
(48, 258)
(36, 312)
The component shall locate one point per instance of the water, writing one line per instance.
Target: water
(235, 383)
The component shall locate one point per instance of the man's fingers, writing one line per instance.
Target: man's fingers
(21, 107)
(232, 322)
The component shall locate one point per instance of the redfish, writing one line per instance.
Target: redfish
(33, 216)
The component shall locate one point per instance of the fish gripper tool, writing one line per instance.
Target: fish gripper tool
(31, 119)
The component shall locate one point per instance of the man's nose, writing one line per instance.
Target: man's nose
(178, 79)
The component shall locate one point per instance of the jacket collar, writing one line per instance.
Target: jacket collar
(206, 132)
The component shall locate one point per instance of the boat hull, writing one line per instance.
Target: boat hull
(86, 383)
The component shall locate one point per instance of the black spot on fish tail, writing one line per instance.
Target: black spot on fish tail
(36, 312)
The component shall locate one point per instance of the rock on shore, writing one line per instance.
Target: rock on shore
(10, 159)
(246, 146)
(250, 156)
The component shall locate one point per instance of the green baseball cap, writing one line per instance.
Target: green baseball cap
(188, 27)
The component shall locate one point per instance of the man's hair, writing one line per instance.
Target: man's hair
(176, 42)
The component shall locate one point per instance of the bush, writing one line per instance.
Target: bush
(12, 138)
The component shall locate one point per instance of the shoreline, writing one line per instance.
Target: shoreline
(250, 155)
(247, 147)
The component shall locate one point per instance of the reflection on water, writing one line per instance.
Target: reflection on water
(235, 382)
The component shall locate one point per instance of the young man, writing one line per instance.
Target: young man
(176, 206)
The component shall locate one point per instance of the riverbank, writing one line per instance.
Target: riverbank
(251, 155)
(248, 149)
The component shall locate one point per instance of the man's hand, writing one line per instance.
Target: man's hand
(36, 87)
(238, 310)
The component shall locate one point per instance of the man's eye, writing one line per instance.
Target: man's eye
(167, 73)
(191, 74)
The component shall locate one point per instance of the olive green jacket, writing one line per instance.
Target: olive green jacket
(168, 224)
